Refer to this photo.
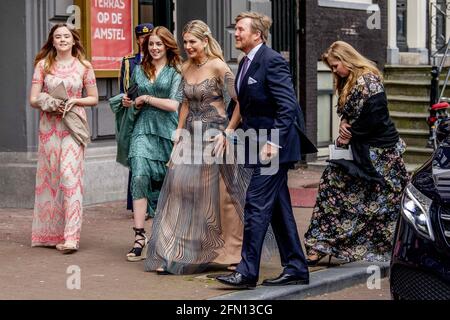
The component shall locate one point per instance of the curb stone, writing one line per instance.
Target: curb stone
(321, 282)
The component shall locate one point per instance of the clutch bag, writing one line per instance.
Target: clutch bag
(337, 153)
(60, 92)
(132, 92)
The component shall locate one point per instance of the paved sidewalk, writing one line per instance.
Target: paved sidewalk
(41, 273)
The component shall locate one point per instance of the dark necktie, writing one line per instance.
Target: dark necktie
(244, 70)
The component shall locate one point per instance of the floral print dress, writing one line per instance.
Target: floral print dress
(352, 219)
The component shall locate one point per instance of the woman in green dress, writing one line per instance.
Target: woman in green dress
(158, 81)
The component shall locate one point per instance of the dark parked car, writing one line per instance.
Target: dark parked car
(420, 265)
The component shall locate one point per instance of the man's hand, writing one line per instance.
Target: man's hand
(268, 152)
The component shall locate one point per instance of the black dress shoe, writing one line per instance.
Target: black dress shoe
(285, 279)
(237, 280)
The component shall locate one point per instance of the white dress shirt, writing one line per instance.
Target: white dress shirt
(250, 56)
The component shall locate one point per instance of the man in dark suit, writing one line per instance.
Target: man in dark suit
(131, 61)
(267, 101)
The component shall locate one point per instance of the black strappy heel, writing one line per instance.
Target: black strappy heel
(138, 253)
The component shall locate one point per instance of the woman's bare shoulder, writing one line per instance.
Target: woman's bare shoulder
(186, 64)
(221, 65)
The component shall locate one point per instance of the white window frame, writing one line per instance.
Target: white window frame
(363, 5)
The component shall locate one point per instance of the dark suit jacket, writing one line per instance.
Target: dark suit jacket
(270, 103)
(126, 69)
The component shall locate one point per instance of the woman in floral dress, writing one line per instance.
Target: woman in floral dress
(358, 202)
(59, 179)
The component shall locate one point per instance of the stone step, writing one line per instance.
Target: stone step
(106, 152)
(410, 115)
(414, 137)
(407, 72)
(411, 72)
(408, 67)
(417, 154)
(412, 88)
(413, 132)
(404, 103)
(409, 120)
(411, 167)
(104, 179)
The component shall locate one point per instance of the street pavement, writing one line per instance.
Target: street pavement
(43, 273)
(358, 292)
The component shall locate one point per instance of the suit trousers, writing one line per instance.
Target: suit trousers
(268, 201)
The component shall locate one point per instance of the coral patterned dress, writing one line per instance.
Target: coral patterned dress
(59, 178)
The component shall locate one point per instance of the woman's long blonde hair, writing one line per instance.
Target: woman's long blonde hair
(48, 51)
(355, 62)
(201, 31)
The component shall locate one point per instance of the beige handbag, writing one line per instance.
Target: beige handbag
(77, 125)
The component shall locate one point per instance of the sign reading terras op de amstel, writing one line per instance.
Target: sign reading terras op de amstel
(111, 32)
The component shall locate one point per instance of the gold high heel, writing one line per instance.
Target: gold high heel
(67, 247)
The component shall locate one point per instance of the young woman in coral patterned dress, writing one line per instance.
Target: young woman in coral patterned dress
(59, 179)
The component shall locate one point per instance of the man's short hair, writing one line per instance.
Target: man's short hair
(260, 22)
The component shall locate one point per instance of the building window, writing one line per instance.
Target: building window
(326, 100)
(157, 12)
(146, 11)
(402, 7)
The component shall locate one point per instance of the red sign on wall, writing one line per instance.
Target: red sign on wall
(111, 32)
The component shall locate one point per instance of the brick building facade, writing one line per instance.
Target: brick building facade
(322, 23)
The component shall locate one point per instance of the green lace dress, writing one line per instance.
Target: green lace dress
(151, 144)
